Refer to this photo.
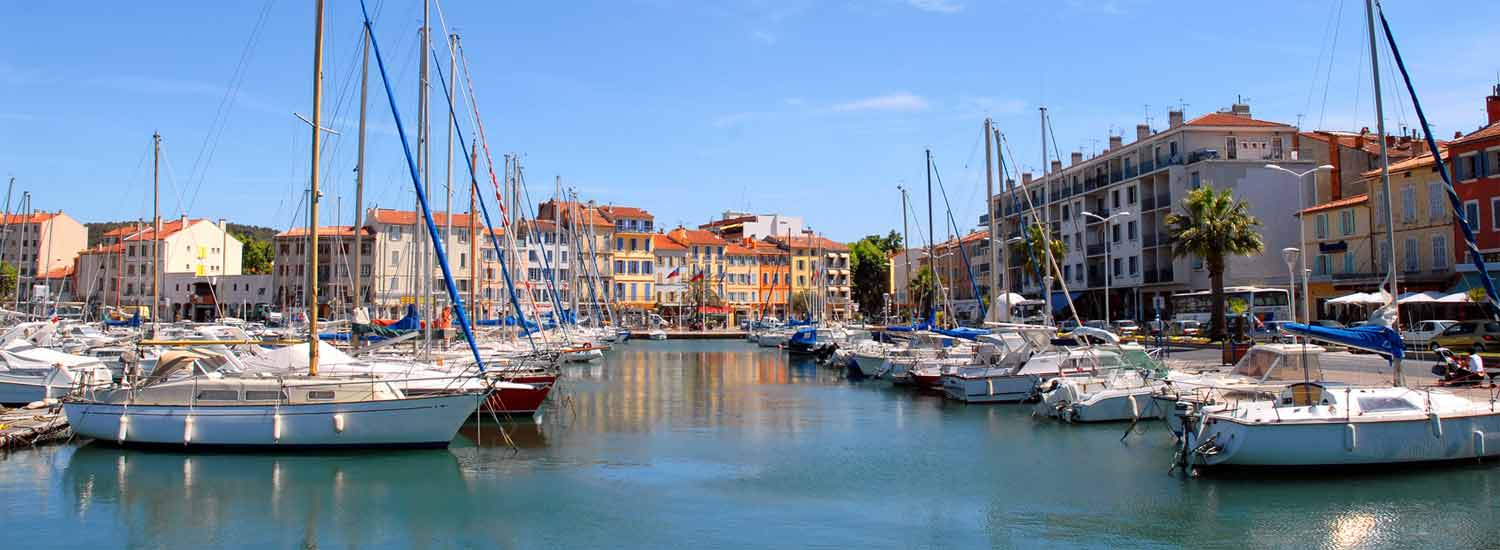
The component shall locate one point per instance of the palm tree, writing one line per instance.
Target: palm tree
(923, 289)
(1029, 250)
(1214, 226)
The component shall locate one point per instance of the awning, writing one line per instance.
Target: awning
(1357, 298)
(1418, 297)
(1060, 300)
(1454, 298)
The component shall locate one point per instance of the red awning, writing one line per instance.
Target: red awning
(713, 309)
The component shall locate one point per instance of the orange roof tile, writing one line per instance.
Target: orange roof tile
(1413, 163)
(1486, 132)
(816, 242)
(1330, 205)
(736, 249)
(34, 217)
(326, 231)
(726, 222)
(1230, 119)
(409, 217)
(616, 211)
(689, 237)
(662, 242)
(168, 228)
(58, 273)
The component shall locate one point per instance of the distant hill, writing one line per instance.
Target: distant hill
(97, 229)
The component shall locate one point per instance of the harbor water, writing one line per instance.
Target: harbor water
(720, 444)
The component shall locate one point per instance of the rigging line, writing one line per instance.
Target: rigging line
(1312, 85)
(469, 161)
(546, 263)
(1359, 82)
(1454, 201)
(171, 177)
(484, 142)
(958, 234)
(219, 124)
(437, 244)
(1047, 252)
(1332, 51)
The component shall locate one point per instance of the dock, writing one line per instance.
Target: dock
(27, 427)
(693, 335)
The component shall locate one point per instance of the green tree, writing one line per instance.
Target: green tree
(1030, 251)
(890, 243)
(7, 281)
(1214, 226)
(802, 303)
(257, 256)
(923, 290)
(870, 269)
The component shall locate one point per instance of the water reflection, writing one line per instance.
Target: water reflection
(486, 432)
(206, 499)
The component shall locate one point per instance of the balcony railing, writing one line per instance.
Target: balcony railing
(1147, 166)
(1095, 249)
(1115, 175)
(1202, 154)
(1148, 202)
(1164, 200)
(1130, 172)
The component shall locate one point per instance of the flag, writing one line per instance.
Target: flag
(673, 273)
(697, 277)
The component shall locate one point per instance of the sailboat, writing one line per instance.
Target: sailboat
(196, 398)
(1325, 424)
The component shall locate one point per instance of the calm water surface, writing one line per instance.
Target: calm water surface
(725, 445)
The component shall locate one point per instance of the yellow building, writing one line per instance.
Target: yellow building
(1340, 250)
(1424, 224)
(634, 263)
(819, 273)
(705, 266)
(741, 282)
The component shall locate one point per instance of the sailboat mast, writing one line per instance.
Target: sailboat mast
(905, 245)
(359, 185)
(1046, 228)
(155, 234)
(1385, 175)
(1003, 243)
(989, 211)
(312, 198)
(473, 233)
(931, 250)
(452, 68)
(424, 158)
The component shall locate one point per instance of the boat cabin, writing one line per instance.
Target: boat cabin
(1272, 362)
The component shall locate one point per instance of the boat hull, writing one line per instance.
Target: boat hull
(990, 389)
(520, 402)
(427, 421)
(1354, 443)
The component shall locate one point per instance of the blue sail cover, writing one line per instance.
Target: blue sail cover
(133, 321)
(807, 336)
(966, 333)
(1374, 338)
(412, 320)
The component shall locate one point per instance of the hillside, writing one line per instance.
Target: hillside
(254, 231)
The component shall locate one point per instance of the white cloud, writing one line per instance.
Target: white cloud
(900, 101)
(936, 6)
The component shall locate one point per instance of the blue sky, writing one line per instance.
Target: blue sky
(686, 108)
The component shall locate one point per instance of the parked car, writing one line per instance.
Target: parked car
(1468, 335)
(1067, 325)
(1422, 332)
(1127, 327)
(1185, 328)
(1101, 325)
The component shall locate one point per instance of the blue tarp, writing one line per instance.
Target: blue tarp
(908, 328)
(1374, 338)
(133, 321)
(1060, 301)
(412, 321)
(966, 333)
(807, 335)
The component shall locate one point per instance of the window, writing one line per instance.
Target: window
(395, 232)
(1348, 262)
(1230, 150)
(1068, 272)
(1439, 252)
(1380, 208)
(1413, 257)
(1134, 264)
(1467, 167)
(1114, 232)
(1194, 181)
(1471, 214)
(1065, 215)
(218, 395)
(1347, 225)
(1494, 214)
(1130, 230)
(1408, 204)
(1320, 265)
(1385, 256)
(1436, 199)
(1130, 194)
(1320, 226)
(1116, 268)
(1114, 197)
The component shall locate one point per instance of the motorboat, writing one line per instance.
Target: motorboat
(1110, 394)
(30, 373)
(1260, 374)
(656, 334)
(1015, 376)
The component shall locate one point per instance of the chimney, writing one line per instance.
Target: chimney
(1025, 179)
(1115, 142)
(1336, 176)
(1142, 131)
(1174, 118)
(1492, 104)
(1359, 140)
(1240, 109)
(1056, 166)
(183, 222)
(1077, 158)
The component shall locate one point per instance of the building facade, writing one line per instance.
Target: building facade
(118, 271)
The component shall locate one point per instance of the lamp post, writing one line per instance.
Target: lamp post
(1108, 267)
(1290, 254)
(1302, 235)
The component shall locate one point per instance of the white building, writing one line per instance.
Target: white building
(118, 272)
(1148, 178)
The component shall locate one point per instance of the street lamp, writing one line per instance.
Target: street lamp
(1290, 255)
(1108, 267)
(1302, 235)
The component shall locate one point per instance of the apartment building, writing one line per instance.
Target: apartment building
(961, 266)
(39, 244)
(1423, 227)
(1475, 162)
(594, 232)
(1135, 186)
(741, 282)
(1340, 249)
(118, 271)
(773, 265)
(634, 263)
(671, 273)
(738, 226)
(336, 267)
(820, 272)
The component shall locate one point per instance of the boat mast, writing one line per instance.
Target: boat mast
(1046, 228)
(905, 247)
(312, 199)
(989, 210)
(424, 159)
(473, 232)
(1003, 243)
(1385, 178)
(359, 185)
(452, 68)
(931, 250)
(155, 235)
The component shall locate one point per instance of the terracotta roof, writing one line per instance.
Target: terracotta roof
(971, 238)
(102, 249)
(736, 249)
(326, 231)
(168, 228)
(1331, 205)
(615, 212)
(1230, 119)
(688, 237)
(1486, 132)
(816, 242)
(727, 222)
(58, 273)
(34, 217)
(409, 217)
(1401, 148)
(662, 242)
(585, 214)
(768, 247)
(1408, 164)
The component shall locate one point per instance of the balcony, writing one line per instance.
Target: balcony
(1115, 176)
(1148, 166)
(1202, 154)
(1102, 213)
(1164, 200)
(1095, 249)
(1077, 188)
(1130, 171)
(1148, 203)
